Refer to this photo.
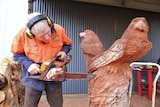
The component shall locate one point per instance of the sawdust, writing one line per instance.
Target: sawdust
(143, 101)
(81, 100)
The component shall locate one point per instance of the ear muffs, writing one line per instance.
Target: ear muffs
(49, 21)
(36, 19)
(29, 34)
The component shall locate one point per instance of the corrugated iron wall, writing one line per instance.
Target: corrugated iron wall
(108, 22)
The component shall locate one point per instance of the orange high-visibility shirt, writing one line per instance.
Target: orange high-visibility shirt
(37, 50)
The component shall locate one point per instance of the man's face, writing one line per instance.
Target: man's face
(45, 35)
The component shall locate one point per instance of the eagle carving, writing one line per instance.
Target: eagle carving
(110, 86)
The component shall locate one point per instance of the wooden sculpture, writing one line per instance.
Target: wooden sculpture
(12, 92)
(110, 86)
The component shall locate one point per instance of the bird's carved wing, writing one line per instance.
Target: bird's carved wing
(112, 54)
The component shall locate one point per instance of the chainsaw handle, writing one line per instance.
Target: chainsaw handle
(57, 58)
(51, 65)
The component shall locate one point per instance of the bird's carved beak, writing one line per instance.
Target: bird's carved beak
(82, 34)
(140, 25)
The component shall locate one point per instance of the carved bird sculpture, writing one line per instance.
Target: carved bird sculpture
(110, 86)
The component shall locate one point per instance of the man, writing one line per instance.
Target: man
(40, 40)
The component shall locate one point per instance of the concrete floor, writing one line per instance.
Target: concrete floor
(70, 100)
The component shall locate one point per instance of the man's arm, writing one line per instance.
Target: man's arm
(66, 48)
(22, 59)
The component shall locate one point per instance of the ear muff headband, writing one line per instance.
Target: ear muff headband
(36, 19)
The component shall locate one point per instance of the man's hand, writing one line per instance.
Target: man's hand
(33, 68)
(57, 74)
(62, 54)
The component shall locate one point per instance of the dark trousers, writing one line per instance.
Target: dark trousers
(54, 98)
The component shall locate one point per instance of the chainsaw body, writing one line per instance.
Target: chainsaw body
(56, 63)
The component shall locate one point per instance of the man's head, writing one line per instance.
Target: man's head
(39, 26)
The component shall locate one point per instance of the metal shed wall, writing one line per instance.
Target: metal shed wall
(107, 21)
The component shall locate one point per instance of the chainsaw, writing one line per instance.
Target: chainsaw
(57, 63)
